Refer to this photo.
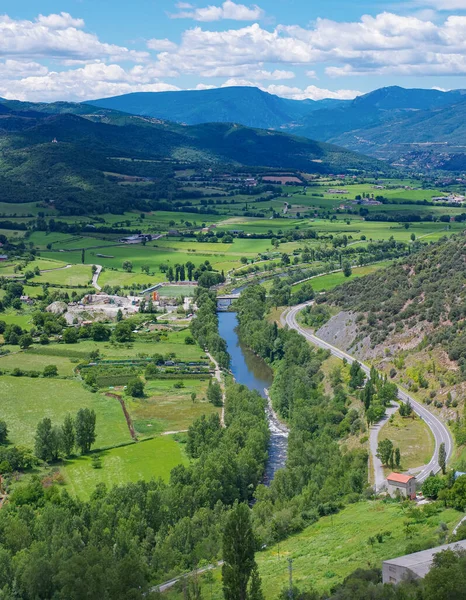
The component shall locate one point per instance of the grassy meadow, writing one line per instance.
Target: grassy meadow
(151, 459)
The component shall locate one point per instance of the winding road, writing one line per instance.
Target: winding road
(439, 430)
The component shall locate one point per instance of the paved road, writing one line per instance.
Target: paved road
(439, 430)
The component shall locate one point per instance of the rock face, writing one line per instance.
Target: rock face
(341, 330)
(57, 308)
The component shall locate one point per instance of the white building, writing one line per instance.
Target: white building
(415, 565)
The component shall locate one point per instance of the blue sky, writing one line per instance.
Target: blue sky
(83, 49)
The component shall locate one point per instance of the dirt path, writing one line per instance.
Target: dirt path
(129, 422)
(219, 378)
(57, 269)
(95, 277)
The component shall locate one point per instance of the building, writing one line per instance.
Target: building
(415, 565)
(401, 485)
(3, 257)
(136, 239)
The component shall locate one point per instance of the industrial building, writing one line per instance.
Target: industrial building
(415, 565)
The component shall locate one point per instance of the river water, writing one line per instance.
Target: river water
(251, 371)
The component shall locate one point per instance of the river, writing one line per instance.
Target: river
(251, 371)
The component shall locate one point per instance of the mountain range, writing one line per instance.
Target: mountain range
(387, 123)
(73, 155)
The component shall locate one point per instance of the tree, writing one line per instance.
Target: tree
(47, 440)
(135, 388)
(50, 371)
(119, 315)
(85, 429)
(442, 458)
(397, 458)
(255, 586)
(347, 271)
(385, 451)
(68, 435)
(238, 554)
(214, 393)
(3, 432)
(193, 397)
(25, 341)
(100, 333)
(285, 259)
(70, 335)
(432, 487)
(127, 266)
(123, 332)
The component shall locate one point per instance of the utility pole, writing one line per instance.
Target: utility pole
(290, 571)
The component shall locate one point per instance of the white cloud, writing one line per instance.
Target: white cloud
(310, 92)
(161, 45)
(57, 36)
(61, 21)
(88, 82)
(228, 10)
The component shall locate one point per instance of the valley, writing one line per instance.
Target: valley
(140, 406)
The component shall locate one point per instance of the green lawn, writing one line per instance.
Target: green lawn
(25, 401)
(166, 408)
(144, 460)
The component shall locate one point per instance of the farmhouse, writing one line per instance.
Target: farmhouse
(415, 565)
(3, 257)
(401, 485)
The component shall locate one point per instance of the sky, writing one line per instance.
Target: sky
(86, 49)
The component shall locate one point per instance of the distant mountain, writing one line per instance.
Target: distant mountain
(386, 123)
(245, 105)
(75, 174)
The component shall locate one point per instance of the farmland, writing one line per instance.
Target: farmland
(143, 461)
(235, 236)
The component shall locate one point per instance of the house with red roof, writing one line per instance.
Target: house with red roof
(401, 485)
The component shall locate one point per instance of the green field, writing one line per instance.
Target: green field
(166, 408)
(141, 461)
(328, 282)
(328, 551)
(25, 401)
(412, 437)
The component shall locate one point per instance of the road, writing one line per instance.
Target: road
(163, 587)
(95, 277)
(439, 430)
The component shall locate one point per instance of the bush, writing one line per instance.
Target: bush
(135, 388)
(50, 371)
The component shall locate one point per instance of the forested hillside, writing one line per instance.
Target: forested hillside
(409, 320)
(64, 158)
